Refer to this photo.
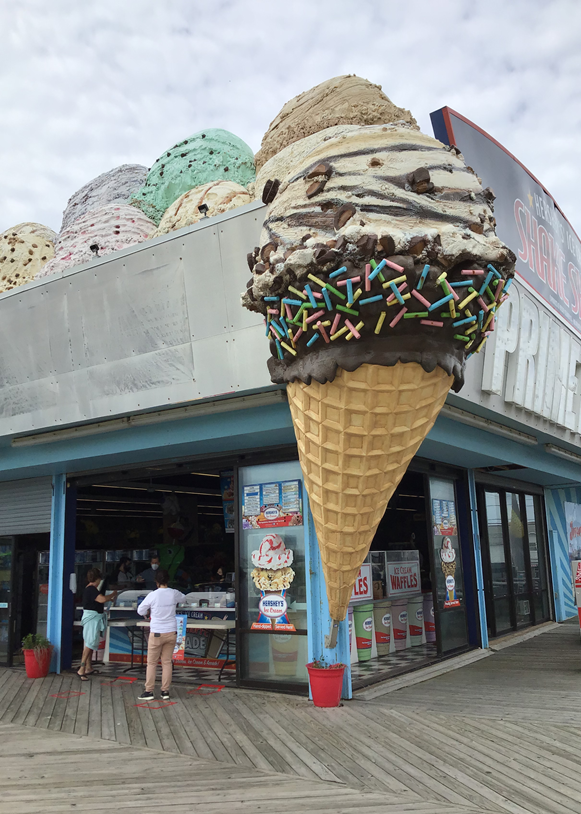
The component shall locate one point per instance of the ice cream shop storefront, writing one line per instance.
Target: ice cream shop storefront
(215, 489)
(378, 482)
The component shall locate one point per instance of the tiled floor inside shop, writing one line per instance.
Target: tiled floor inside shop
(378, 669)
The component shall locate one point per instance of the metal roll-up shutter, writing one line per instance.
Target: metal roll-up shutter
(25, 506)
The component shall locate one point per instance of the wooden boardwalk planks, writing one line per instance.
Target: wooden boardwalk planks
(500, 734)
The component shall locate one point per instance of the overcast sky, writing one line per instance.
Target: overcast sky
(89, 85)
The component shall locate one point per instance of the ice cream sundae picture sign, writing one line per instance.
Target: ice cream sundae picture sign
(269, 505)
(448, 558)
(272, 575)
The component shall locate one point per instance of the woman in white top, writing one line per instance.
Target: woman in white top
(161, 605)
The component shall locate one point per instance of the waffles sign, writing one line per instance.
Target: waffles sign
(403, 578)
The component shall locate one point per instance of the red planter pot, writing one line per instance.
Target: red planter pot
(326, 684)
(37, 668)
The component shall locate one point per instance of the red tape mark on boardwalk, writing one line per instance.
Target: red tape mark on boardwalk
(158, 705)
(206, 689)
(68, 694)
(130, 679)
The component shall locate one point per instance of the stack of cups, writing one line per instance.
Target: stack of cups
(399, 618)
(382, 621)
(363, 618)
(429, 621)
(416, 620)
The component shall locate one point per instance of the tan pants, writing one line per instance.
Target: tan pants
(161, 646)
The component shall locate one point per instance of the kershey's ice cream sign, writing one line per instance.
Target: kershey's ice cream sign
(542, 354)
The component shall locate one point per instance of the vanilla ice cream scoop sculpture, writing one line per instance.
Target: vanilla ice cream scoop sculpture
(378, 274)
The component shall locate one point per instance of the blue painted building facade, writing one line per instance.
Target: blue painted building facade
(194, 388)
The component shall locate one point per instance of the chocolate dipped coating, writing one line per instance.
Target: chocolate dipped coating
(386, 196)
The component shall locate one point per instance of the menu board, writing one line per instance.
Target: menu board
(269, 505)
(444, 517)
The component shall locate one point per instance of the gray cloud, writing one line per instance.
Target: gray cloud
(88, 86)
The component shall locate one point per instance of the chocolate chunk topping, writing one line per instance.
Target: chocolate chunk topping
(250, 260)
(270, 190)
(478, 228)
(321, 169)
(315, 188)
(259, 268)
(417, 245)
(267, 250)
(323, 256)
(419, 181)
(366, 244)
(341, 243)
(387, 244)
(342, 215)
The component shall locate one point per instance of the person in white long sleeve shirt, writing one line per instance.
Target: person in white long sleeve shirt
(161, 605)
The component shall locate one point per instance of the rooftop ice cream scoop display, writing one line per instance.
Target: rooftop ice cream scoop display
(113, 187)
(209, 155)
(22, 256)
(205, 201)
(378, 274)
(96, 234)
(27, 228)
(341, 100)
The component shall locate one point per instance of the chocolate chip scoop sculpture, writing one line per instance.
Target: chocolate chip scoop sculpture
(378, 274)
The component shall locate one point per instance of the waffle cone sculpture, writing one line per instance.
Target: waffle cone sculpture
(378, 273)
(356, 436)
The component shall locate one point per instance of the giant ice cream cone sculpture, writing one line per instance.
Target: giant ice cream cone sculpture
(378, 273)
(356, 436)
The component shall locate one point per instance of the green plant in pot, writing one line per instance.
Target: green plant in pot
(326, 682)
(37, 655)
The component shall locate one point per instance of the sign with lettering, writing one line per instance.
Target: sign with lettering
(528, 219)
(573, 529)
(532, 361)
(363, 588)
(403, 578)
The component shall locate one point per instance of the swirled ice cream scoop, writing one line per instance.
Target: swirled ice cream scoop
(378, 246)
(272, 553)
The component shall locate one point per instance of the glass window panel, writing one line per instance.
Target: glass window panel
(502, 614)
(536, 548)
(264, 490)
(498, 569)
(280, 657)
(5, 599)
(517, 557)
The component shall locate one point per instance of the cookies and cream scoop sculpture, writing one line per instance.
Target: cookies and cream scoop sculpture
(379, 273)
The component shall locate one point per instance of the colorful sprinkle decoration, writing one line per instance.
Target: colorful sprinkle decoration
(322, 312)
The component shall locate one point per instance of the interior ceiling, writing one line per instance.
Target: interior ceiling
(142, 498)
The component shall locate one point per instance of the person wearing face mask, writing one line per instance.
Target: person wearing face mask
(147, 578)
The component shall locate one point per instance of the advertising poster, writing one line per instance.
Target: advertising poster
(573, 526)
(270, 505)
(445, 530)
(179, 651)
(227, 489)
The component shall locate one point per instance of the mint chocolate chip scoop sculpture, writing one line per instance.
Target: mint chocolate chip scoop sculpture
(379, 273)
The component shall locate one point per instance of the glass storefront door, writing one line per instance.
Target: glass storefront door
(514, 559)
(6, 588)
(272, 602)
(450, 604)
